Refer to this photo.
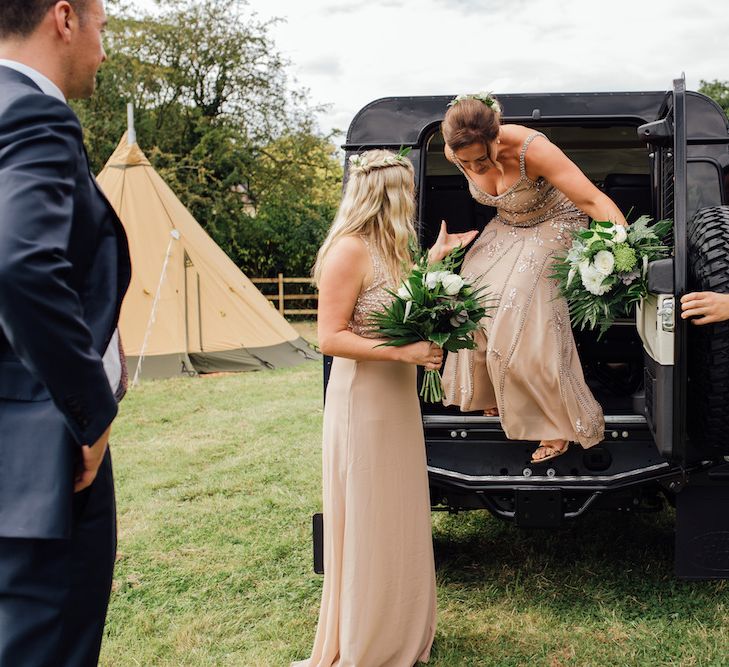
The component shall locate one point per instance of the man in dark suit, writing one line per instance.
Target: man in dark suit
(64, 269)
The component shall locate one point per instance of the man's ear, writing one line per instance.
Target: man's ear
(64, 18)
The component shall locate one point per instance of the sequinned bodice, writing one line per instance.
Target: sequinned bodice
(372, 297)
(526, 203)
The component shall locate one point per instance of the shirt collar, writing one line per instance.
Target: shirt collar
(40, 80)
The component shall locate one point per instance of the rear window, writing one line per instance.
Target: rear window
(596, 150)
(611, 156)
(704, 185)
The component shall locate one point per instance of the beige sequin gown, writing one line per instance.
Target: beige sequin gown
(378, 605)
(526, 363)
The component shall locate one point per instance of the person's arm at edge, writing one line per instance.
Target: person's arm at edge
(705, 307)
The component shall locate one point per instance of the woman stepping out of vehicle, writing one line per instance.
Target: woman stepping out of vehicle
(526, 368)
(378, 604)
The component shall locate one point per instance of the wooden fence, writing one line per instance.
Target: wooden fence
(281, 297)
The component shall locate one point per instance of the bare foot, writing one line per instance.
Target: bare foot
(491, 412)
(549, 449)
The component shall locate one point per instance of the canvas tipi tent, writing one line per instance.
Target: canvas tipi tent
(189, 308)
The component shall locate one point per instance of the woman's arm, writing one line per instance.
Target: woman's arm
(544, 159)
(346, 270)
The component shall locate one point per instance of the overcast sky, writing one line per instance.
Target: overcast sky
(349, 53)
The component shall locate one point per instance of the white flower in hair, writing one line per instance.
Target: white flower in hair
(486, 97)
(358, 161)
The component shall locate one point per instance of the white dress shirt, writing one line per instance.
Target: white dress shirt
(111, 359)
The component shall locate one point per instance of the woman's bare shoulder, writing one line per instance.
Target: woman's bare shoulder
(352, 245)
(517, 134)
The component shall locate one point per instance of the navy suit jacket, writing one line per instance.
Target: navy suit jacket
(64, 269)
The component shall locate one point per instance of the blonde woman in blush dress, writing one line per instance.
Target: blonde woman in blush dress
(378, 606)
(526, 368)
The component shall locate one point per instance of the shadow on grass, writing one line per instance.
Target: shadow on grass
(624, 561)
(599, 591)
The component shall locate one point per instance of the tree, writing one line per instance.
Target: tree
(218, 119)
(717, 90)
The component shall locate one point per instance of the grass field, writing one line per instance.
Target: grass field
(217, 479)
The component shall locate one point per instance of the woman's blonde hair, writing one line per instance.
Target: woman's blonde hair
(378, 204)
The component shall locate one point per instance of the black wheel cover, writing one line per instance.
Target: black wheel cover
(708, 345)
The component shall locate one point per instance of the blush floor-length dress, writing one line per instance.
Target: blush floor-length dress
(378, 606)
(526, 363)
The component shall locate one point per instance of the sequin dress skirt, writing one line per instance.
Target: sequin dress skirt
(526, 363)
(378, 604)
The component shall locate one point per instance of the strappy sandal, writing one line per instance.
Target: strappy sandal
(552, 448)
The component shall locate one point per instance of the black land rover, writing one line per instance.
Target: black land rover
(663, 383)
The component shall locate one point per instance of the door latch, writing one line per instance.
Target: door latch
(666, 314)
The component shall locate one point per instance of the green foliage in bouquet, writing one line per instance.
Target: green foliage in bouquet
(433, 304)
(604, 274)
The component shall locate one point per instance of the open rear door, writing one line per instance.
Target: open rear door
(663, 332)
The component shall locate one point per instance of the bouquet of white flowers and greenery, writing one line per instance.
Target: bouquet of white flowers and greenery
(604, 274)
(433, 304)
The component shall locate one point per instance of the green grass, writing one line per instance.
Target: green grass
(217, 479)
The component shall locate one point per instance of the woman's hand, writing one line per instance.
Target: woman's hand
(422, 353)
(706, 307)
(445, 243)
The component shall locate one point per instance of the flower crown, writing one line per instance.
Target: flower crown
(362, 163)
(487, 98)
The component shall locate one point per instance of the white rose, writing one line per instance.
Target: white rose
(452, 284)
(432, 278)
(620, 235)
(604, 262)
(583, 265)
(404, 292)
(593, 279)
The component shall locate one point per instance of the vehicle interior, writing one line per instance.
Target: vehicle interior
(613, 157)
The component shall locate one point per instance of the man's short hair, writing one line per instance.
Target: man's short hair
(20, 18)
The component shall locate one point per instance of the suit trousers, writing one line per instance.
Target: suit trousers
(54, 594)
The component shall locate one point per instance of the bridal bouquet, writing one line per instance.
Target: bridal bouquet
(603, 275)
(433, 304)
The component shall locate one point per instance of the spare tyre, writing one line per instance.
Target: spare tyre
(708, 345)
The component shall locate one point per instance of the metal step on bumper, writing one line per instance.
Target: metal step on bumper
(658, 472)
(475, 420)
(626, 436)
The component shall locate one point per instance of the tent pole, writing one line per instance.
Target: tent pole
(131, 131)
(174, 236)
(187, 307)
(199, 312)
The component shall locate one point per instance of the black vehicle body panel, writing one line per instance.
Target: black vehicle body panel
(471, 464)
(406, 121)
